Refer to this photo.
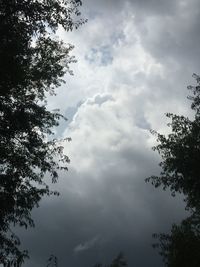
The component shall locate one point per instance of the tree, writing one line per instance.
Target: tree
(180, 248)
(32, 64)
(52, 261)
(119, 261)
(180, 152)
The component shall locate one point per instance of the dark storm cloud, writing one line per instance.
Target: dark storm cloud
(176, 36)
(106, 218)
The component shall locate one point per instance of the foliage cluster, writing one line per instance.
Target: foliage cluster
(119, 261)
(180, 152)
(33, 62)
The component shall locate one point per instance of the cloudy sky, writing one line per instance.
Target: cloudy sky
(135, 60)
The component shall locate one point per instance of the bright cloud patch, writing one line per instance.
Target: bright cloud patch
(86, 245)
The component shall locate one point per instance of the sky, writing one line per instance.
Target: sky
(135, 59)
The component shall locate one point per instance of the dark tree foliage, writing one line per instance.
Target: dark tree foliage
(119, 261)
(32, 63)
(52, 261)
(181, 247)
(180, 152)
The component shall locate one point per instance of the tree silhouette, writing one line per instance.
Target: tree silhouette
(180, 152)
(180, 248)
(32, 64)
(119, 261)
(52, 261)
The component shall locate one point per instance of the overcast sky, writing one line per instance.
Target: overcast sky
(135, 60)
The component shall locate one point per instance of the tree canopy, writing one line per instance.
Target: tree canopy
(33, 62)
(180, 152)
(180, 247)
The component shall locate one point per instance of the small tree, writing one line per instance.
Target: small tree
(119, 261)
(52, 261)
(32, 63)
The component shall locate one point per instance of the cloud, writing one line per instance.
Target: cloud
(104, 194)
(135, 59)
(86, 245)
